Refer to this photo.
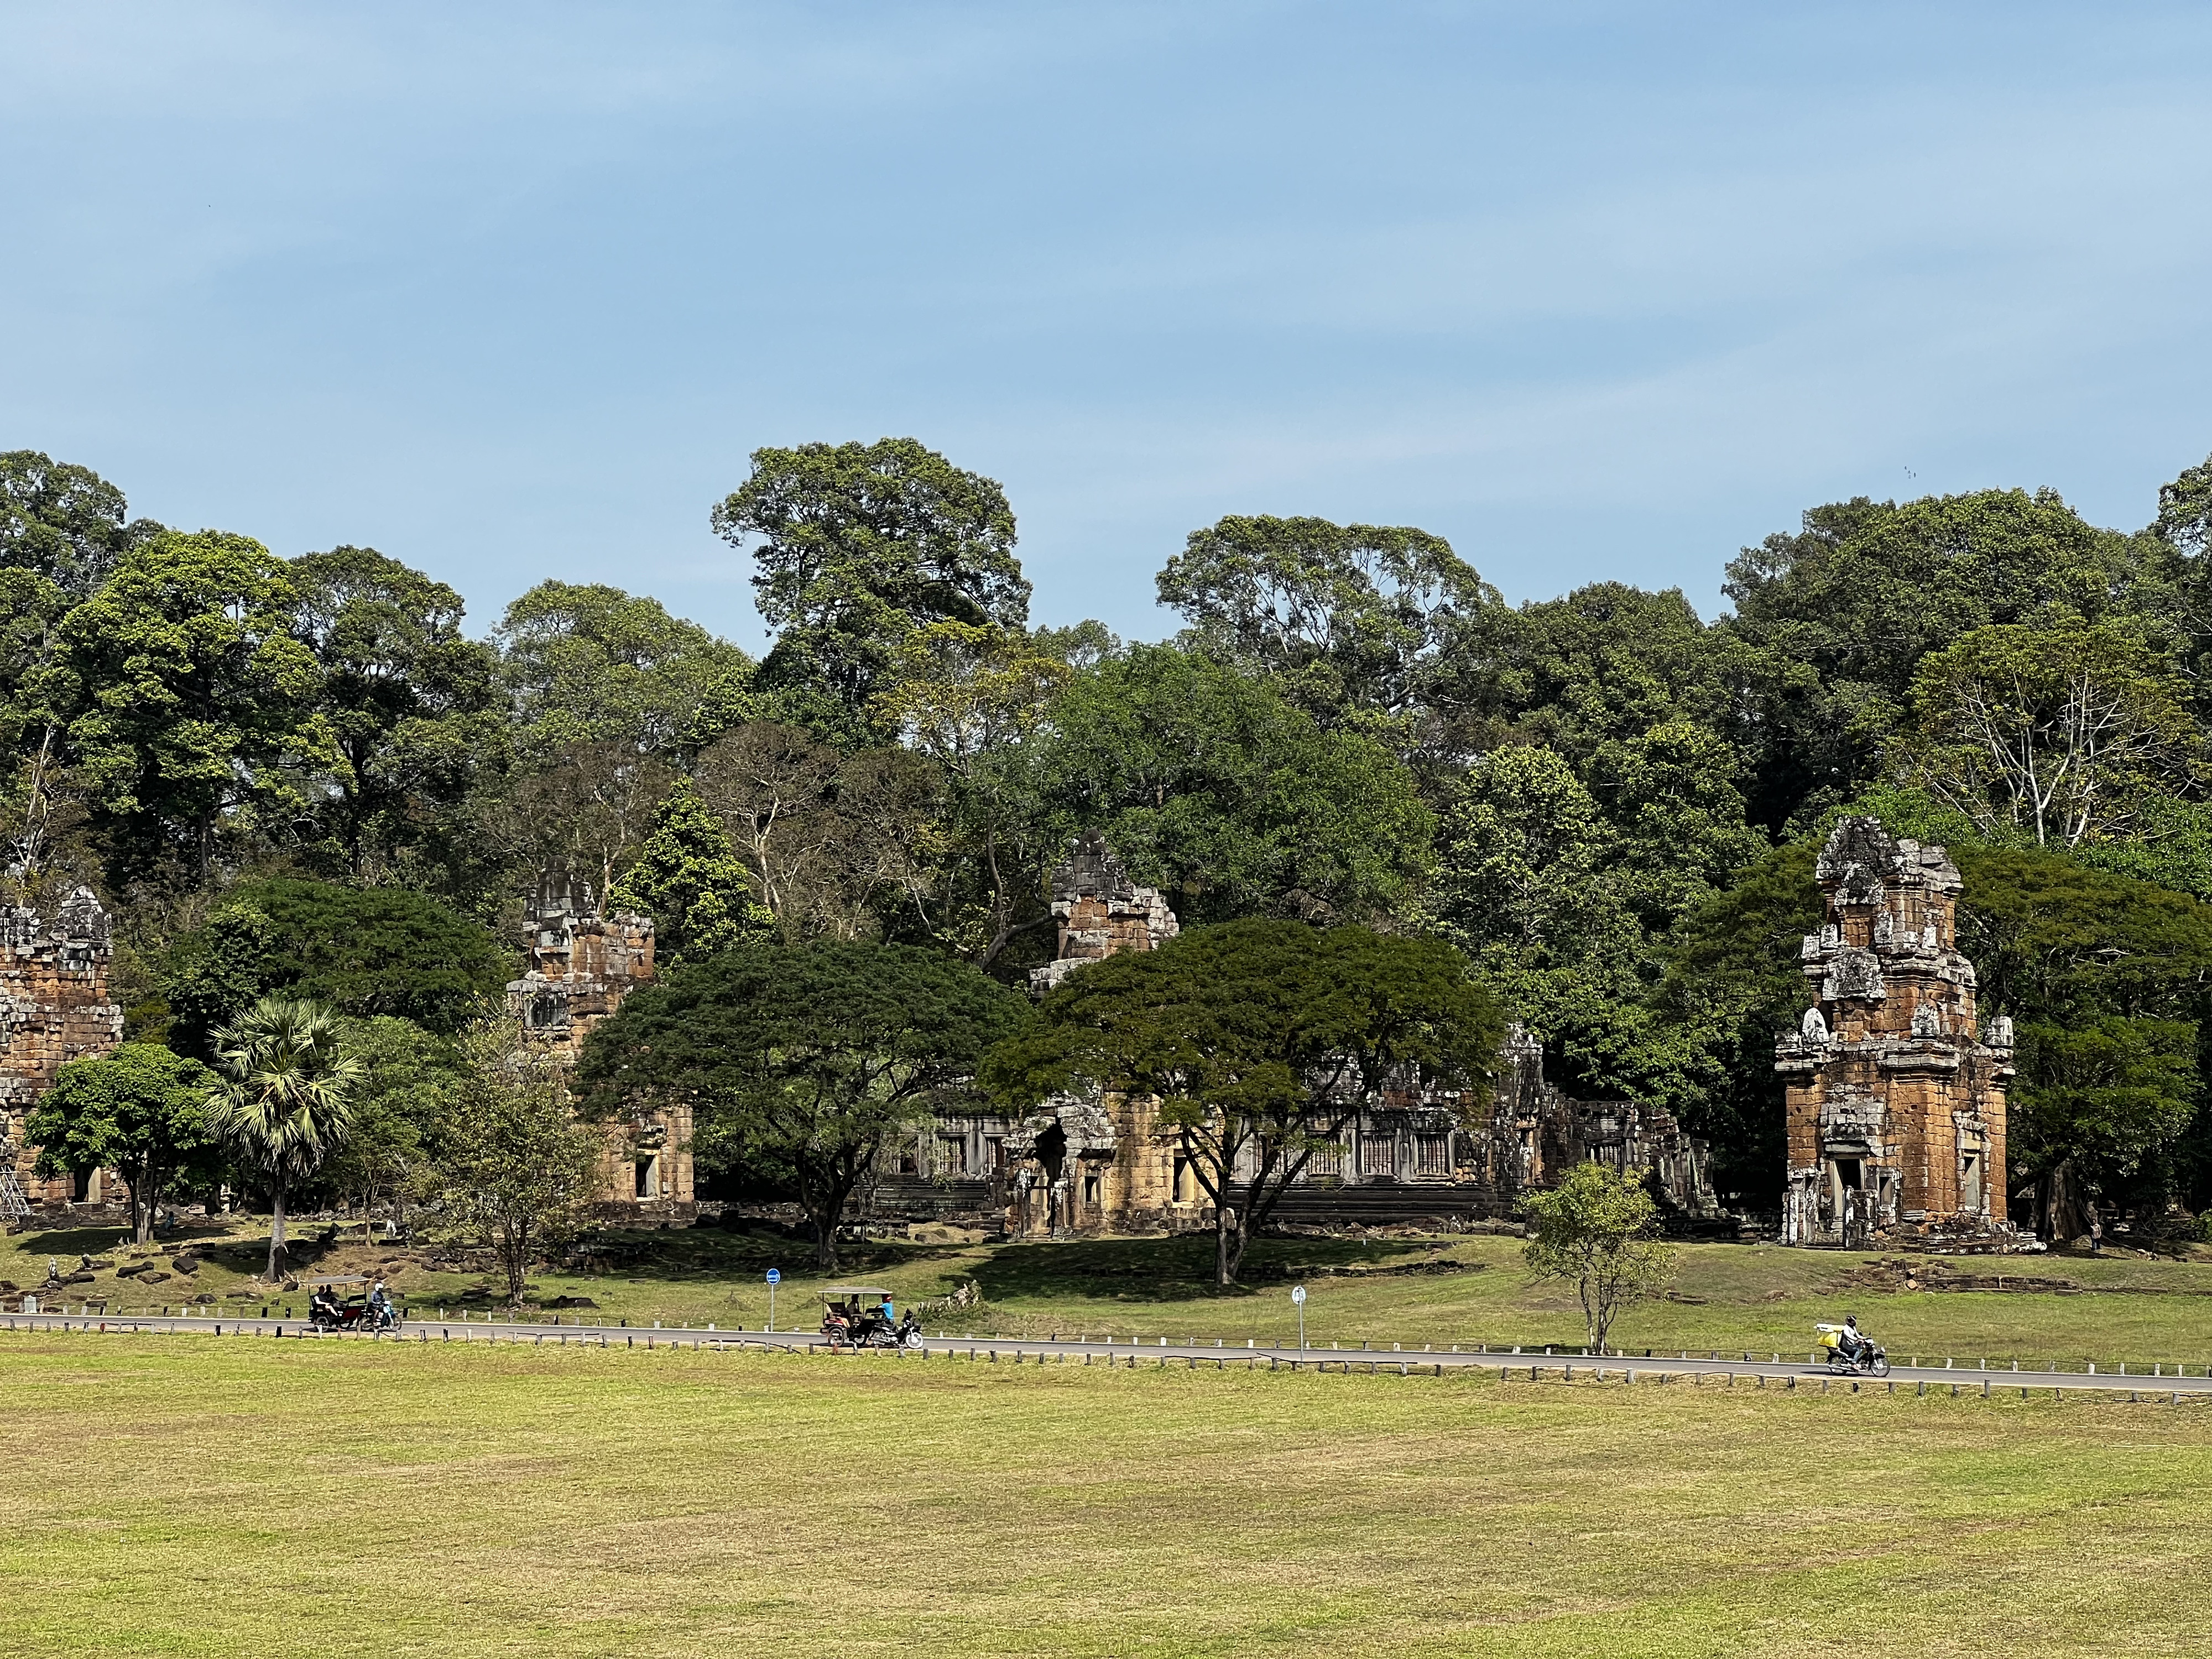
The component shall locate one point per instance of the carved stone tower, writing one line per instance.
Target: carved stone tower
(583, 962)
(1101, 913)
(1896, 1100)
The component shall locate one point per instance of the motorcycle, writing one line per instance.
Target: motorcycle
(1864, 1359)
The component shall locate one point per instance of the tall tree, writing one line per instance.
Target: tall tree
(969, 698)
(857, 545)
(1866, 589)
(191, 703)
(515, 1165)
(834, 839)
(802, 1062)
(39, 798)
(64, 523)
(409, 704)
(1346, 617)
(406, 1104)
(591, 665)
(139, 1109)
(1260, 1041)
(2060, 731)
(282, 1103)
(1209, 783)
(689, 878)
(363, 952)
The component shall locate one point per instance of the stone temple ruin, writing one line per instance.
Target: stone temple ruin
(1098, 1164)
(1896, 1103)
(582, 962)
(54, 1008)
(1896, 1100)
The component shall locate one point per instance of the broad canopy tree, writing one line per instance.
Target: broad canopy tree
(1260, 1039)
(362, 951)
(857, 545)
(141, 1111)
(801, 1062)
(1346, 619)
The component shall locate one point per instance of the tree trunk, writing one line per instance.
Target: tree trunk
(514, 1256)
(1224, 1268)
(144, 1196)
(276, 1229)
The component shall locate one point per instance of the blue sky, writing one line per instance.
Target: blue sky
(1596, 291)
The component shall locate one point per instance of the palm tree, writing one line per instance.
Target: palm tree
(282, 1104)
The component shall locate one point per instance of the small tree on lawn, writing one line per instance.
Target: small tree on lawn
(282, 1103)
(1598, 1230)
(141, 1111)
(519, 1169)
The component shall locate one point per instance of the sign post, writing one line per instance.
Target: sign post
(775, 1279)
(1298, 1299)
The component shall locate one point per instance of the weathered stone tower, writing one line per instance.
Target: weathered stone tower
(1896, 1100)
(54, 1008)
(1101, 913)
(582, 963)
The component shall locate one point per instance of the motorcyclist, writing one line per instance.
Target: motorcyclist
(1849, 1343)
(380, 1307)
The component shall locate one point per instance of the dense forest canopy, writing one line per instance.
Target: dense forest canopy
(1608, 803)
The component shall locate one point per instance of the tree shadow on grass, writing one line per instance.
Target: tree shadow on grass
(73, 1241)
(1179, 1268)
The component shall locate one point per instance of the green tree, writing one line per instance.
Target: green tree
(1732, 988)
(409, 705)
(1208, 783)
(2062, 731)
(1599, 1231)
(689, 878)
(802, 1062)
(2105, 980)
(190, 702)
(282, 1103)
(969, 698)
(405, 1104)
(1346, 617)
(594, 664)
(834, 839)
(63, 523)
(362, 951)
(140, 1110)
(1260, 1041)
(515, 1165)
(858, 545)
(40, 800)
(1866, 589)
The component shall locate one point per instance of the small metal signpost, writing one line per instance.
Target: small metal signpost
(1298, 1299)
(775, 1279)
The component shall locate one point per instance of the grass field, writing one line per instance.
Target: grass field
(1755, 1297)
(200, 1496)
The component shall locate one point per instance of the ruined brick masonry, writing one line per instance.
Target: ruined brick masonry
(1896, 1097)
(1098, 1164)
(54, 1008)
(582, 963)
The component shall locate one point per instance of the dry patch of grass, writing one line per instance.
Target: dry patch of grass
(217, 1497)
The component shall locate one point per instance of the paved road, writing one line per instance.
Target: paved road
(1762, 1370)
